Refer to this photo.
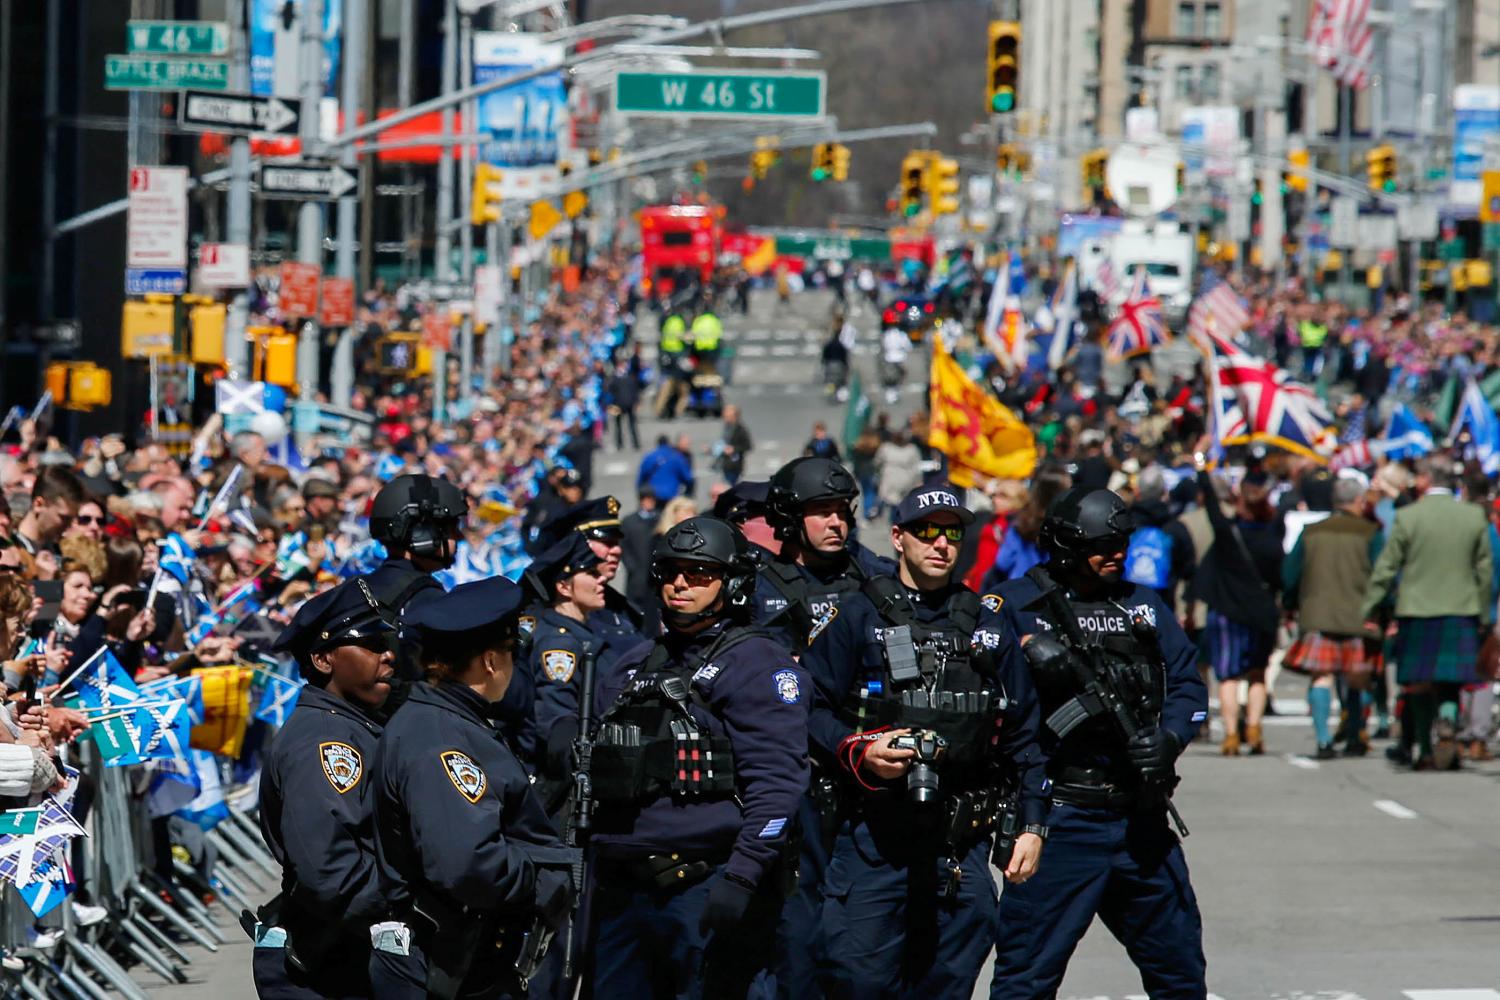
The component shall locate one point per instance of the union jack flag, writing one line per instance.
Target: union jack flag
(1257, 401)
(1217, 311)
(1340, 32)
(1139, 326)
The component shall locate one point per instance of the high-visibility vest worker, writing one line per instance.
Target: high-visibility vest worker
(672, 329)
(707, 329)
(1312, 334)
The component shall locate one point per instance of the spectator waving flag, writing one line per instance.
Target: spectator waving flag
(1267, 404)
(1406, 436)
(1477, 417)
(277, 699)
(1217, 311)
(1139, 326)
(1339, 32)
(162, 730)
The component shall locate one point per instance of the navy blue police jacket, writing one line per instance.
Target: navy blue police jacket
(455, 814)
(770, 604)
(847, 655)
(558, 647)
(618, 626)
(394, 577)
(1185, 702)
(754, 695)
(317, 814)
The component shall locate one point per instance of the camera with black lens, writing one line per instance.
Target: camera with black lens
(922, 777)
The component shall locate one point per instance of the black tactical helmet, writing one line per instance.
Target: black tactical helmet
(418, 514)
(714, 542)
(1083, 522)
(801, 482)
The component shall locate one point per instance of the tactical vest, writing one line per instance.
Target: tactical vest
(808, 602)
(649, 745)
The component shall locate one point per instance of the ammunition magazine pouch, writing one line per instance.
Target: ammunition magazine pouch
(656, 768)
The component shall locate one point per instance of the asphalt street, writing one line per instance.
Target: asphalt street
(1334, 880)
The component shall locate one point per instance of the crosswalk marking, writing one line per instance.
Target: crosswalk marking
(1481, 994)
(1393, 808)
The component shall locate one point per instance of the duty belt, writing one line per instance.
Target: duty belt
(1092, 788)
(665, 872)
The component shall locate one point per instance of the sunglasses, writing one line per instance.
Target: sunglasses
(928, 531)
(696, 574)
(87, 519)
(1106, 546)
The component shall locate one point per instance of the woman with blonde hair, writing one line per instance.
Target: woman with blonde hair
(677, 510)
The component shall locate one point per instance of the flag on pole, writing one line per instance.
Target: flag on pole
(226, 709)
(177, 557)
(50, 885)
(23, 855)
(174, 783)
(102, 683)
(973, 428)
(277, 699)
(162, 730)
(1477, 417)
(1344, 42)
(1257, 401)
(226, 495)
(1405, 435)
(1140, 325)
(1064, 312)
(188, 690)
(1217, 311)
(208, 808)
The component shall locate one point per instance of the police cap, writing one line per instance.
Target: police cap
(742, 501)
(925, 501)
(345, 615)
(1083, 521)
(470, 607)
(598, 519)
(571, 554)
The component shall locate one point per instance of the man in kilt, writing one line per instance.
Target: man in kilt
(1439, 548)
(1324, 580)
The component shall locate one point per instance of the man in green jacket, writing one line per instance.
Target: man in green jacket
(1440, 549)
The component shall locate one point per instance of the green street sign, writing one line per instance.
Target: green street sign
(154, 73)
(833, 247)
(722, 93)
(177, 38)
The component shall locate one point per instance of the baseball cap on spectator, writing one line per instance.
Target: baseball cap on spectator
(319, 487)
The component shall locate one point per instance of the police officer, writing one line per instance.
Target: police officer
(569, 577)
(699, 762)
(1111, 851)
(923, 705)
(316, 812)
(744, 506)
(419, 520)
(473, 875)
(706, 332)
(559, 492)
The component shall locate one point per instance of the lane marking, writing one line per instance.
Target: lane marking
(616, 468)
(1306, 763)
(1452, 994)
(752, 351)
(1393, 808)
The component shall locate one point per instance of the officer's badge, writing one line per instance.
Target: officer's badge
(465, 774)
(823, 622)
(1147, 612)
(558, 665)
(526, 623)
(787, 688)
(992, 601)
(612, 505)
(341, 765)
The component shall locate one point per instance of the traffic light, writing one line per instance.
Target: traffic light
(77, 385)
(913, 169)
(484, 203)
(700, 172)
(840, 157)
(942, 185)
(1004, 66)
(1005, 158)
(1381, 163)
(1293, 179)
(1092, 168)
(822, 161)
(764, 158)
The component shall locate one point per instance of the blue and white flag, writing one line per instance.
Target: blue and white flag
(188, 690)
(240, 603)
(277, 699)
(174, 784)
(285, 454)
(177, 557)
(1406, 436)
(103, 683)
(161, 730)
(49, 886)
(1477, 417)
(23, 855)
(208, 808)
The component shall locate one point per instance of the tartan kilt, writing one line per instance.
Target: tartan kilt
(1320, 654)
(1441, 650)
(1233, 649)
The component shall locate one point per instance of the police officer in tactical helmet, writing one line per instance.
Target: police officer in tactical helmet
(317, 813)
(693, 861)
(924, 708)
(1112, 852)
(418, 519)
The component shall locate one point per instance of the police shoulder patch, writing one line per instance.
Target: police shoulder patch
(526, 623)
(823, 622)
(342, 765)
(787, 688)
(558, 665)
(465, 774)
(992, 601)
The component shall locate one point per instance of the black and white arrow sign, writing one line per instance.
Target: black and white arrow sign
(318, 181)
(211, 111)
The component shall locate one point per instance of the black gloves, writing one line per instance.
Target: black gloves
(558, 761)
(554, 897)
(728, 898)
(1153, 752)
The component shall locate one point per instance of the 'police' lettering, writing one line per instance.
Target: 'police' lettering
(1103, 623)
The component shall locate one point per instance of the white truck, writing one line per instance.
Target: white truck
(1163, 249)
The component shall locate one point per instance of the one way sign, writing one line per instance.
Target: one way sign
(316, 181)
(212, 111)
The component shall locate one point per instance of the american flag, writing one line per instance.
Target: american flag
(1353, 456)
(1139, 326)
(1257, 401)
(1340, 32)
(1218, 311)
(1106, 282)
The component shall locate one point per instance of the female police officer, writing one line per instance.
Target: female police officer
(699, 764)
(471, 870)
(316, 811)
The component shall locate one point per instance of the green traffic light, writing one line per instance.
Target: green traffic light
(1388, 186)
(819, 174)
(1003, 101)
(912, 209)
(1256, 199)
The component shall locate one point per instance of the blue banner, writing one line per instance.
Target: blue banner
(265, 19)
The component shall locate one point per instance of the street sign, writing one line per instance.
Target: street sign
(833, 246)
(338, 302)
(723, 93)
(437, 332)
(1417, 220)
(1489, 198)
(317, 181)
(488, 294)
(156, 230)
(543, 218)
(157, 73)
(224, 265)
(299, 289)
(177, 38)
(1343, 222)
(207, 111)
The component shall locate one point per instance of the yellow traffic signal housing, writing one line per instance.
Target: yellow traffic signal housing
(822, 161)
(274, 355)
(1092, 167)
(942, 185)
(1296, 176)
(146, 328)
(1004, 65)
(78, 385)
(485, 202)
(1381, 163)
(207, 324)
(840, 158)
(913, 169)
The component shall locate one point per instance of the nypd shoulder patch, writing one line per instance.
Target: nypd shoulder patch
(787, 688)
(342, 765)
(465, 774)
(992, 601)
(558, 665)
(526, 623)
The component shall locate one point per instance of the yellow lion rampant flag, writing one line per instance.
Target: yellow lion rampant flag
(226, 709)
(977, 432)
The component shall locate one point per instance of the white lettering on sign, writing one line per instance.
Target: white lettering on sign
(762, 98)
(674, 92)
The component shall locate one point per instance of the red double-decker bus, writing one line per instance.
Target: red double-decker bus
(677, 237)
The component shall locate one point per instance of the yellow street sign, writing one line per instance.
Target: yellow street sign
(1489, 200)
(543, 218)
(574, 202)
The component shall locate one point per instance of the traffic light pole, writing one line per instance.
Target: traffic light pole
(237, 204)
(466, 233)
(310, 214)
(443, 244)
(341, 378)
(1346, 164)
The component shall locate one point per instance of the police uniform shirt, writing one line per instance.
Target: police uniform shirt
(1185, 703)
(847, 656)
(558, 647)
(617, 626)
(823, 590)
(754, 695)
(317, 815)
(454, 809)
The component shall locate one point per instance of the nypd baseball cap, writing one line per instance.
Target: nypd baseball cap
(925, 501)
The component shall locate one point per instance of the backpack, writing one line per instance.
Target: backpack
(1148, 559)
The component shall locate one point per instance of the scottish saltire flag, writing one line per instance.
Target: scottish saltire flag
(291, 555)
(103, 683)
(277, 699)
(238, 604)
(285, 454)
(161, 730)
(23, 855)
(51, 884)
(174, 784)
(188, 690)
(228, 492)
(1477, 417)
(1406, 436)
(177, 557)
(1064, 311)
(1272, 407)
(1217, 311)
(1139, 326)
(208, 808)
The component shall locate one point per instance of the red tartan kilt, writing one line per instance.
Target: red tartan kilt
(1318, 654)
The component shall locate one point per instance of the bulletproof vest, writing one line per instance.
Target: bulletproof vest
(395, 591)
(810, 601)
(649, 745)
(928, 680)
(1127, 638)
